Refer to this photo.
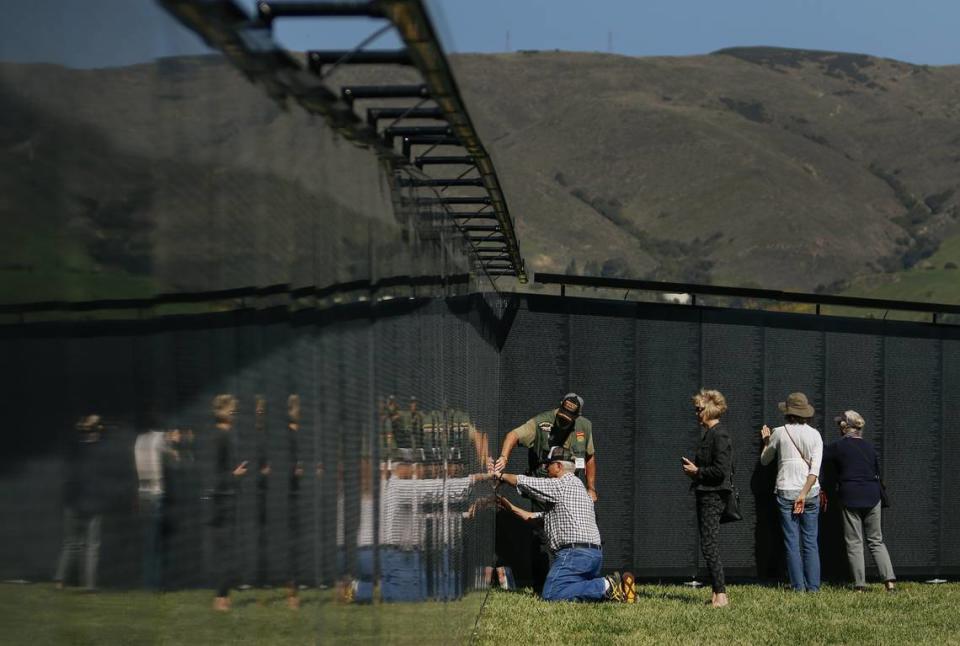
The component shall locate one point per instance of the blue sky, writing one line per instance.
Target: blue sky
(95, 33)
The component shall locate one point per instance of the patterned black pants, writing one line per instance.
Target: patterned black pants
(710, 505)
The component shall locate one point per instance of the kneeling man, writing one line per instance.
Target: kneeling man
(571, 530)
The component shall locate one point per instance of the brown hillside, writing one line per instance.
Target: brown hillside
(755, 166)
(780, 168)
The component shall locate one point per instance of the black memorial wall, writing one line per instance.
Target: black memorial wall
(637, 365)
(161, 374)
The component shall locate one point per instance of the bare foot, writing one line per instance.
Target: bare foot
(221, 604)
(720, 600)
(293, 602)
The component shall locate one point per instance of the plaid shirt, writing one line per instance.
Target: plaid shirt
(569, 517)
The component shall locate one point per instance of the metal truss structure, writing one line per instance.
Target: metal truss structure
(422, 130)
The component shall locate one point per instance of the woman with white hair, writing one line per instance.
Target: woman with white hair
(858, 477)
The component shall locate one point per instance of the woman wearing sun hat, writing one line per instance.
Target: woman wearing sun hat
(858, 475)
(798, 448)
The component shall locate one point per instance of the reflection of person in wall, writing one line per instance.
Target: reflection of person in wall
(403, 578)
(152, 450)
(227, 472)
(293, 498)
(394, 432)
(563, 426)
(358, 583)
(183, 503)
(403, 501)
(174, 496)
(415, 422)
(570, 525)
(448, 504)
(263, 473)
(85, 500)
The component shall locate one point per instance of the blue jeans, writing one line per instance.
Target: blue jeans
(447, 584)
(800, 541)
(364, 592)
(575, 576)
(403, 577)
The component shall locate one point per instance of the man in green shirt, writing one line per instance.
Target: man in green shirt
(563, 426)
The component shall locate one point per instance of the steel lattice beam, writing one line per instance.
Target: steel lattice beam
(248, 44)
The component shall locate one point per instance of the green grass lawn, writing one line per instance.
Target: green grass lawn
(918, 614)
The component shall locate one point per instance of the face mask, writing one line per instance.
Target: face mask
(563, 422)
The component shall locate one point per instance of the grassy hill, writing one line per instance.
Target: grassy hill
(935, 279)
(788, 169)
(776, 168)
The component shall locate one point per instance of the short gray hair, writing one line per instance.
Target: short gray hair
(568, 467)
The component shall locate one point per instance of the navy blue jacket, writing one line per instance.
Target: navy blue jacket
(857, 469)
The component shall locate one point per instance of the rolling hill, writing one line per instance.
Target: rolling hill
(788, 169)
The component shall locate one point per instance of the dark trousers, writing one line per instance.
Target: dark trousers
(539, 554)
(710, 505)
(151, 517)
(261, 538)
(224, 539)
(81, 535)
(293, 527)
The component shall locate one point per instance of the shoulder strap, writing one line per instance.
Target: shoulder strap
(796, 447)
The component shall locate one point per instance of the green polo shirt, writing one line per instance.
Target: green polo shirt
(535, 435)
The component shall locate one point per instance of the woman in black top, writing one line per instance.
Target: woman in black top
(263, 483)
(710, 471)
(224, 497)
(293, 499)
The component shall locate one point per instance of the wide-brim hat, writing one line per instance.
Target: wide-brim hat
(796, 404)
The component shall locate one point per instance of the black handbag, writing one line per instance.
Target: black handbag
(731, 504)
(731, 507)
